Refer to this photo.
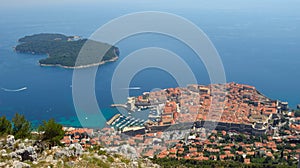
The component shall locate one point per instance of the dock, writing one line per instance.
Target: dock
(119, 105)
(122, 106)
(109, 122)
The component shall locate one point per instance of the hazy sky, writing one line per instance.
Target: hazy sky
(200, 4)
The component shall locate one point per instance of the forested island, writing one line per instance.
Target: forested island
(63, 50)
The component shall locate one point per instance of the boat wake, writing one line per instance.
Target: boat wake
(16, 90)
(132, 88)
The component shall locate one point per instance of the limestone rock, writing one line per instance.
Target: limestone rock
(125, 150)
(27, 154)
(17, 164)
(10, 140)
(2, 164)
(49, 159)
(77, 148)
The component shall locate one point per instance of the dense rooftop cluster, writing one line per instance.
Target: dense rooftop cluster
(295, 125)
(229, 103)
(224, 145)
(148, 144)
(83, 136)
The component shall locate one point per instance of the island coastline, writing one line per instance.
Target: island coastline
(80, 66)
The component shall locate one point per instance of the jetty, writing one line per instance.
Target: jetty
(125, 106)
(109, 122)
(119, 105)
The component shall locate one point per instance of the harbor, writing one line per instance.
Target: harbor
(120, 122)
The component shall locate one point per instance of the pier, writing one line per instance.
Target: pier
(109, 122)
(126, 107)
(119, 105)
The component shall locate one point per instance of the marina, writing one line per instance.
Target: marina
(121, 122)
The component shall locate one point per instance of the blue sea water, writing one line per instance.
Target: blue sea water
(259, 45)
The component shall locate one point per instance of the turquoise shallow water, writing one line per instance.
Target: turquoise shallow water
(258, 46)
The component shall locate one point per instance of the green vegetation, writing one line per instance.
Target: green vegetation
(64, 50)
(21, 127)
(93, 162)
(5, 126)
(44, 37)
(297, 113)
(53, 132)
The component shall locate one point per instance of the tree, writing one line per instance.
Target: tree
(21, 127)
(53, 132)
(5, 126)
(240, 148)
(268, 160)
(297, 113)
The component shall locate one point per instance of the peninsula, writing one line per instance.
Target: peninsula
(63, 50)
(202, 124)
(230, 106)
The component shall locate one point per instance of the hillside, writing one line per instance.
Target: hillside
(33, 153)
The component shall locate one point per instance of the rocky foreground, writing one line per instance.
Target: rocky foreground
(32, 153)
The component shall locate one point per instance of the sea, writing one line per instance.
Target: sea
(258, 42)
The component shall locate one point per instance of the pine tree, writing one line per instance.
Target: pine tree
(5, 126)
(53, 132)
(21, 127)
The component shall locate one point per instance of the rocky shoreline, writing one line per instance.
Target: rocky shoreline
(81, 66)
